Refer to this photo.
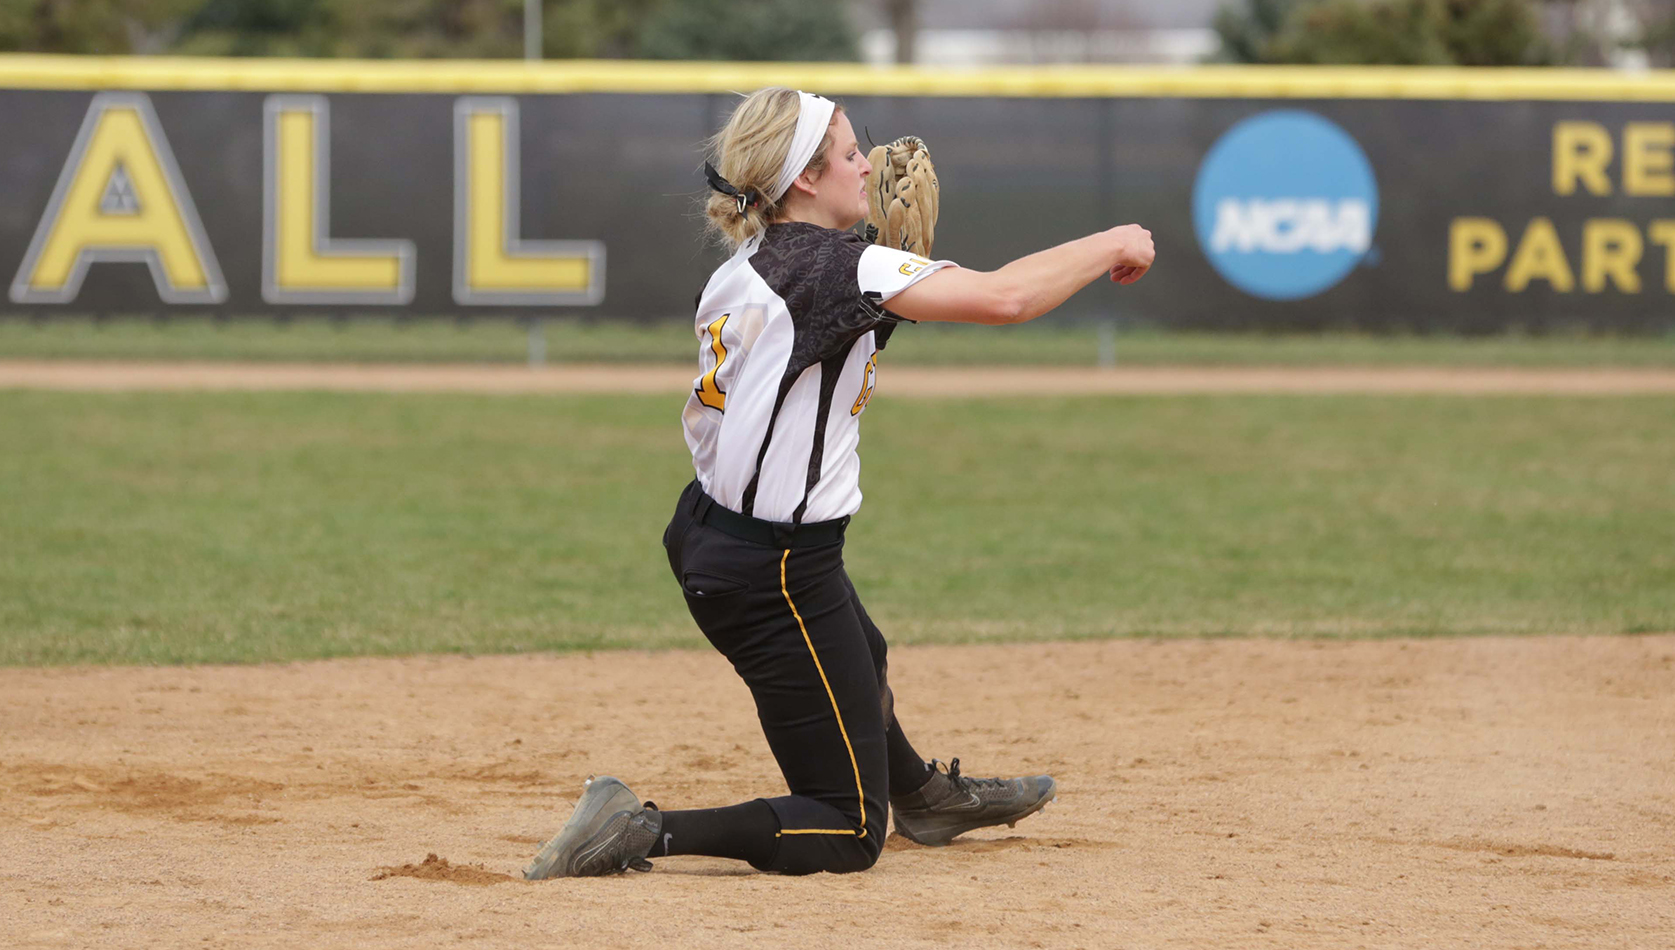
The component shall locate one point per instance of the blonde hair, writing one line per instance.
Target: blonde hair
(748, 152)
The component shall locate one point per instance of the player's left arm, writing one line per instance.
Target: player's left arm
(1029, 286)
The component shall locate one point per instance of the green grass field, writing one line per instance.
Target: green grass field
(1047, 342)
(244, 527)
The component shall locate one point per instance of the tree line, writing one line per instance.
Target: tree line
(1447, 32)
(810, 30)
(1373, 32)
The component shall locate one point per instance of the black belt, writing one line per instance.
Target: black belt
(706, 510)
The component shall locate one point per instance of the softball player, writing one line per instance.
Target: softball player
(790, 329)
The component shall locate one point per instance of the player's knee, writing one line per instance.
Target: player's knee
(835, 855)
(858, 854)
(873, 847)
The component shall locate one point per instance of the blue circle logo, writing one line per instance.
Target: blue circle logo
(1285, 204)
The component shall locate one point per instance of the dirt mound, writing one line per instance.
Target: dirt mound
(433, 868)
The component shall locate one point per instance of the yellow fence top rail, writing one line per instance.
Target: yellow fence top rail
(34, 71)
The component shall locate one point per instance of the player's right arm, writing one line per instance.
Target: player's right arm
(1029, 286)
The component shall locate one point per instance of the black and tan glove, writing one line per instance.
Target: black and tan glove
(903, 196)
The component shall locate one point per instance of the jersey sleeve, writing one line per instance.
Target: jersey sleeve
(886, 271)
(854, 279)
(834, 284)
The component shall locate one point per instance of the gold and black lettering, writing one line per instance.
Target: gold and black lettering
(708, 392)
(120, 197)
(867, 381)
(494, 264)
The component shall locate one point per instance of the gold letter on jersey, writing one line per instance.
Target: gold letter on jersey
(493, 264)
(867, 380)
(120, 197)
(300, 261)
(708, 393)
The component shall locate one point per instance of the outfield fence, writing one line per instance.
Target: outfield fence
(1281, 198)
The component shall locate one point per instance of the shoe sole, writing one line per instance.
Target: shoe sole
(942, 837)
(603, 799)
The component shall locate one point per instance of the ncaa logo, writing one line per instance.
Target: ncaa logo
(1285, 204)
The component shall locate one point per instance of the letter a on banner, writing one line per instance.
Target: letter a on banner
(493, 264)
(301, 263)
(120, 197)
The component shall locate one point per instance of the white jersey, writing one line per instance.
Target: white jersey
(789, 331)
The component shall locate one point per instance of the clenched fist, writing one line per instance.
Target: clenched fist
(1134, 253)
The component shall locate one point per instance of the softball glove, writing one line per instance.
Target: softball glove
(903, 196)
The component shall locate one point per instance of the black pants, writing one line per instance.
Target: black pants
(788, 619)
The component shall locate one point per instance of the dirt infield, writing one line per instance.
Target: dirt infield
(1459, 793)
(900, 380)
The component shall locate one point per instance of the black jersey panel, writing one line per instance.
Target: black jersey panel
(881, 336)
(814, 270)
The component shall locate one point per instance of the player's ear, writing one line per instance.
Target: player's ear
(805, 184)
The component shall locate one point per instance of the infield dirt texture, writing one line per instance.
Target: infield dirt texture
(1465, 793)
(1479, 792)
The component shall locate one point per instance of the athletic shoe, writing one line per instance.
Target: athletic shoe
(609, 832)
(950, 804)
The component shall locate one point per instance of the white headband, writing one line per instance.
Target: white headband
(814, 114)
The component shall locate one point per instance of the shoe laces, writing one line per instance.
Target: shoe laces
(968, 783)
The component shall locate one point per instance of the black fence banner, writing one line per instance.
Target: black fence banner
(1296, 198)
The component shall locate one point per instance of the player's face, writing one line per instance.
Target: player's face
(843, 185)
